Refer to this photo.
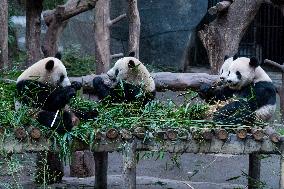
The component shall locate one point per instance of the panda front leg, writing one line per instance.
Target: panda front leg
(63, 122)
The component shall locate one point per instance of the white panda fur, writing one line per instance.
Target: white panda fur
(38, 72)
(223, 72)
(137, 76)
(218, 91)
(134, 77)
(252, 74)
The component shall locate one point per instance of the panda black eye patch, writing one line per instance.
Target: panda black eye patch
(61, 78)
(239, 75)
(116, 72)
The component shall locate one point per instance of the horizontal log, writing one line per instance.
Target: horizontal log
(163, 81)
(272, 134)
(20, 133)
(274, 64)
(233, 145)
(126, 134)
(241, 133)
(207, 134)
(35, 133)
(257, 133)
(112, 133)
(221, 134)
(171, 134)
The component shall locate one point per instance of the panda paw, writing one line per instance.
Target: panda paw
(76, 85)
(204, 90)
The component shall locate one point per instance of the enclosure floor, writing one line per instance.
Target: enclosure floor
(143, 182)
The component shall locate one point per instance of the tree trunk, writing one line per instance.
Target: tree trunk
(57, 19)
(223, 35)
(102, 36)
(3, 34)
(54, 30)
(134, 27)
(33, 30)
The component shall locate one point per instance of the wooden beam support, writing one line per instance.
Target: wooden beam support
(254, 171)
(129, 165)
(281, 180)
(101, 165)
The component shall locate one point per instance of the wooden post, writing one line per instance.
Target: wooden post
(281, 181)
(254, 171)
(101, 163)
(129, 165)
(102, 35)
(3, 34)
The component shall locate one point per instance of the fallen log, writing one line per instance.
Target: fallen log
(257, 133)
(125, 134)
(207, 134)
(163, 80)
(241, 133)
(171, 134)
(272, 134)
(221, 134)
(112, 133)
(139, 132)
(20, 133)
(35, 133)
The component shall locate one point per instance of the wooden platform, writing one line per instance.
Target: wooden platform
(233, 144)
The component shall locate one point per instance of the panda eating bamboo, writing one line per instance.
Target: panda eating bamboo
(127, 81)
(252, 91)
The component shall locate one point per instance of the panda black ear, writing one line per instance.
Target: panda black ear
(49, 65)
(253, 62)
(131, 54)
(235, 57)
(226, 57)
(58, 55)
(131, 64)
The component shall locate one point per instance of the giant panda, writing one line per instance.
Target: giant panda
(46, 87)
(255, 94)
(127, 81)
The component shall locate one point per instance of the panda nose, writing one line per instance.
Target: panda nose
(229, 81)
(222, 78)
